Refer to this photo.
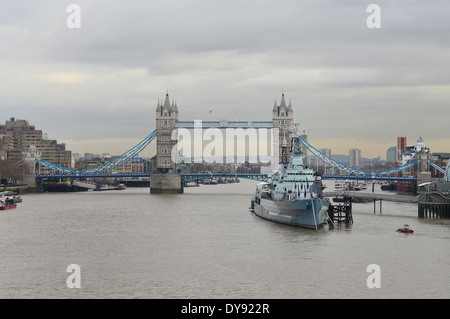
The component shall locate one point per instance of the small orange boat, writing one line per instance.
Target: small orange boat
(405, 229)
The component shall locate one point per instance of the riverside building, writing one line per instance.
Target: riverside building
(17, 137)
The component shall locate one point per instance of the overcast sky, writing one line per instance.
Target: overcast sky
(96, 88)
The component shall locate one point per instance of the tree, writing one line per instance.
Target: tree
(10, 171)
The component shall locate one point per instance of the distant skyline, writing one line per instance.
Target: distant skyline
(96, 88)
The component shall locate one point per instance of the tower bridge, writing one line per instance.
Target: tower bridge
(166, 179)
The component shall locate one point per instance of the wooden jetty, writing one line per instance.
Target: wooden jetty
(434, 210)
(434, 203)
(341, 212)
(373, 196)
(431, 204)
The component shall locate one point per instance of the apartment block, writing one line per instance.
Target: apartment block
(354, 157)
(18, 136)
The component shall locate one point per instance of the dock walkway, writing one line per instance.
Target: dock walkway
(373, 196)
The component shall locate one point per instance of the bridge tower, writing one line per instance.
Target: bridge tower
(164, 178)
(283, 119)
(166, 117)
(423, 156)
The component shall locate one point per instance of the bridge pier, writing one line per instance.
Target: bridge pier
(434, 210)
(166, 184)
(375, 206)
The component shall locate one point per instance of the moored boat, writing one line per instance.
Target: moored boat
(9, 200)
(339, 186)
(292, 194)
(121, 187)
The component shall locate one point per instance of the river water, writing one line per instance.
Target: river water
(206, 243)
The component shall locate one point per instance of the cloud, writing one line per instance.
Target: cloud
(232, 57)
(65, 77)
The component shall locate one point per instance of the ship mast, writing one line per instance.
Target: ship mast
(284, 150)
(292, 147)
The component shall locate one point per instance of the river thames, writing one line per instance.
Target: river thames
(206, 243)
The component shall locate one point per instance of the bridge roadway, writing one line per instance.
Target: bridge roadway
(224, 124)
(373, 196)
(195, 176)
(91, 175)
(186, 177)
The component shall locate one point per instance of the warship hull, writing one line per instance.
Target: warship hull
(307, 213)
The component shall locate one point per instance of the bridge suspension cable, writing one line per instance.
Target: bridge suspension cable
(342, 167)
(55, 167)
(396, 169)
(440, 169)
(134, 151)
(125, 157)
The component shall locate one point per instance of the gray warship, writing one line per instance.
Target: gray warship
(292, 194)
